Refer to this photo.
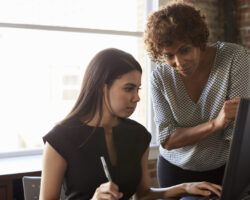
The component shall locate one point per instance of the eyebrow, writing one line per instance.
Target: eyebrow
(182, 46)
(131, 84)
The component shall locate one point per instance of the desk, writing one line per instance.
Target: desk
(11, 172)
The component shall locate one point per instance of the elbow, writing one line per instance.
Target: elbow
(168, 145)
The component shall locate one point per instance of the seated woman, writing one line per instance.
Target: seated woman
(98, 125)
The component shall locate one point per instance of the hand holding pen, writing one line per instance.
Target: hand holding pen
(107, 190)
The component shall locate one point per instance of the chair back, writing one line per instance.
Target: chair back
(31, 187)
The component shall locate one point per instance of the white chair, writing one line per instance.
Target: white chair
(31, 188)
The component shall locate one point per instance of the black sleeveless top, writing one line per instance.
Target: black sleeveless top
(82, 145)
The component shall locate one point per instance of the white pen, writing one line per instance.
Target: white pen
(105, 168)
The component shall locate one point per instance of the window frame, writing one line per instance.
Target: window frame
(150, 6)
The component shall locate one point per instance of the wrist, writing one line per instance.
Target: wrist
(183, 188)
(215, 126)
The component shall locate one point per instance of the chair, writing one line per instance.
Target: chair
(31, 188)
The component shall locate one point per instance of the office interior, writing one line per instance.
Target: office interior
(228, 20)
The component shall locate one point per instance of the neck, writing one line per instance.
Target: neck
(107, 121)
(207, 58)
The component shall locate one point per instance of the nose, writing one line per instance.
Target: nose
(136, 97)
(178, 61)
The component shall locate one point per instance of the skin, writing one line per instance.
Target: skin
(120, 101)
(184, 57)
(194, 67)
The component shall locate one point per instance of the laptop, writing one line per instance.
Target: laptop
(236, 180)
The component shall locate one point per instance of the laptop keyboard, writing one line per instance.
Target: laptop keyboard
(200, 198)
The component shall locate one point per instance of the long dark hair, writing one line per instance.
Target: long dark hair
(106, 66)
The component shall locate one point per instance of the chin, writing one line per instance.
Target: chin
(124, 115)
(186, 75)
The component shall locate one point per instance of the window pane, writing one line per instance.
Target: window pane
(40, 77)
(109, 14)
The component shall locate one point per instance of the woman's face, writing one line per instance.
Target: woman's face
(184, 57)
(122, 97)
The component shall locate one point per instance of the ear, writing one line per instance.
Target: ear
(105, 97)
(105, 94)
(105, 89)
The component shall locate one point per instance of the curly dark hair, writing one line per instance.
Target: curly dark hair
(175, 22)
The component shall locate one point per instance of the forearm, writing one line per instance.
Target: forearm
(188, 136)
(159, 193)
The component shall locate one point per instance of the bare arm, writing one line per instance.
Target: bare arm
(54, 167)
(144, 191)
(188, 136)
(53, 170)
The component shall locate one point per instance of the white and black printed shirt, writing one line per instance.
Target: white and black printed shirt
(173, 107)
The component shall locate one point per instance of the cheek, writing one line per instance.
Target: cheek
(118, 101)
(196, 55)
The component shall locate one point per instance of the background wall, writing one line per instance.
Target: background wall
(242, 12)
(220, 14)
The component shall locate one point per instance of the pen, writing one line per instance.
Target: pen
(105, 168)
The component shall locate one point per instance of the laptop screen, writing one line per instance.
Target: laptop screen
(236, 180)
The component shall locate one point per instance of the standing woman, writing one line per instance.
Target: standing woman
(196, 89)
(98, 125)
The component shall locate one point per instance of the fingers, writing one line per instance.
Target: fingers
(203, 188)
(236, 99)
(108, 191)
(230, 108)
(218, 187)
(112, 189)
(207, 188)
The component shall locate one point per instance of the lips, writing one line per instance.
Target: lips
(131, 109)
(184, 70)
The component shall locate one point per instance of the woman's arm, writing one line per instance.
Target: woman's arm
(144, 191)
(53, 169)
(170, 135)
(188, 136)
(238, 81)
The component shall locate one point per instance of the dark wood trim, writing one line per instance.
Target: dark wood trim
(229, 21)
(10, 186)
(11, 172)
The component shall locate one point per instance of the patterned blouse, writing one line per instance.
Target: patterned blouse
(173, 107)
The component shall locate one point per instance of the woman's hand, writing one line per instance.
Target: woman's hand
(107, 191)
(203, 188)
(227, 113)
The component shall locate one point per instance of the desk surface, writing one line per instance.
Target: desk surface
(20, 165)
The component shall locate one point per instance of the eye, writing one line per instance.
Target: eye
(168, 57)
(185, 50)
(129, 89)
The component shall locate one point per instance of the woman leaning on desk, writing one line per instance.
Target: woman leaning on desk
(195, 92)
(98, 125)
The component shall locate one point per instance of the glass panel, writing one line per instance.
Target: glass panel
(40, 77)
(126, 15)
